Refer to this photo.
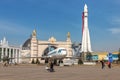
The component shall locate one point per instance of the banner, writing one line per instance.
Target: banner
(110, 57)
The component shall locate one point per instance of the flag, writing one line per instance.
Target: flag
(110, 57)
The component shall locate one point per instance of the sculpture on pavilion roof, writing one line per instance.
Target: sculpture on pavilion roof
(34, 33)
(68, 35)
(52, 39)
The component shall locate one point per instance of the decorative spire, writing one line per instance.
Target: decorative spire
(34, 33)
(68, 35)
(4, 42)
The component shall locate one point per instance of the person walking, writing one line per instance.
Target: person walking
(48, 66)
(51, 66)
(103, 64)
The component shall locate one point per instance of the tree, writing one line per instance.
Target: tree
(80, 61)
(6, 58)
(119, 55)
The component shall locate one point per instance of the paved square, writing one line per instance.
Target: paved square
(35, 72)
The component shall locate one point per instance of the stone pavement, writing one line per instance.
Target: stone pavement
(35, 72)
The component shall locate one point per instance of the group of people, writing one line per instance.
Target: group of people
(50, 66)
(103, 64)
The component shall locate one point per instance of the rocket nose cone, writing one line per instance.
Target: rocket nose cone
(85, 8)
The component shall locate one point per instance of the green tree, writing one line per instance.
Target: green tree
(6, 58)
(80, 61)
(119, 55)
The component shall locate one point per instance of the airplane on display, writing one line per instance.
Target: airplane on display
(58, 53)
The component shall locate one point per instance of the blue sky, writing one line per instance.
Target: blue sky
(55, 18)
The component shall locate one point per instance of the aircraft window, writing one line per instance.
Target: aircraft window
(51, 48)
(63, 49)
(59, 51)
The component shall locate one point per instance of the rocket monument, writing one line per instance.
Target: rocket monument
(86, 44)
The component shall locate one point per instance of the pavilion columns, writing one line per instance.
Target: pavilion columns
(12, 53)
(2, 55)
(6, 51)
(18, 56)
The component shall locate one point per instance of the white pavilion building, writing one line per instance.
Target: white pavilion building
(12, 52)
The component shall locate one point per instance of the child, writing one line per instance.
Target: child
(109, 64)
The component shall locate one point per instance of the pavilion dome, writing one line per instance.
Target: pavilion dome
(27, 43)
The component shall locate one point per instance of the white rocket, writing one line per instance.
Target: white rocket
(86, 44)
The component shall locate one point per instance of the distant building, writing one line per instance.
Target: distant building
(97, 56)
(12, 52)
(35, 49)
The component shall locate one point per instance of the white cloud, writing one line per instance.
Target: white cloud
(8, 27)
(115, 30)
(75, 25)
(115, 20)
(14, 32)
(117, 1)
